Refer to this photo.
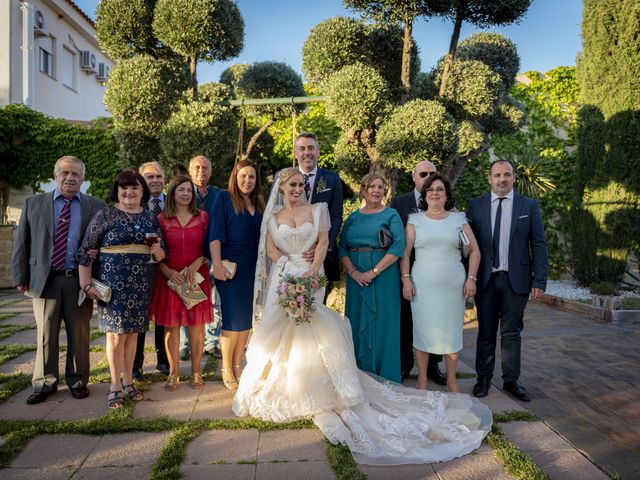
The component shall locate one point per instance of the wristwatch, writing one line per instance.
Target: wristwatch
(376, 271)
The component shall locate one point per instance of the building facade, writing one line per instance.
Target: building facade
(50, 59)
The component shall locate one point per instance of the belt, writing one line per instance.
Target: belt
(500, 272)
(124, 249)
(367, 249)
(64, 273)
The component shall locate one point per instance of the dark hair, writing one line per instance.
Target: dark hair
(306, 135)
(255, 196)
(448, 204)
(130, 178)
(170, 204)
(502, 160)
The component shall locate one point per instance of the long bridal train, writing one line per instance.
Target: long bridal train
(309, 370)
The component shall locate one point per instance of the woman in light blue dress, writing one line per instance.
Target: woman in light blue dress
(438, 285)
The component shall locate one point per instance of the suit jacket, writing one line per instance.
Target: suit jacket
(33, 246)
(528, 259)
(405, 205)
(328, 188)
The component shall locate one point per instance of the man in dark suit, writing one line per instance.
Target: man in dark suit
(321, 186)
(153, 174)
(514, 264)
(405, 205)
(44, 268)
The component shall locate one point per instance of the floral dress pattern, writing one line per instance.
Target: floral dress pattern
(129, 275)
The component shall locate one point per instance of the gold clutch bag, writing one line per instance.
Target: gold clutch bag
(231, 268)
(191, 294)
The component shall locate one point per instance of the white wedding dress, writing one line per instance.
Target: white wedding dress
(309, 370)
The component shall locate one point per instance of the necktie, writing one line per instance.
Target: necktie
(307, 185)
(496, 234)
(156, 207)
(62, 234)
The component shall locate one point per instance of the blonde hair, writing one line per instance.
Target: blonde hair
(368, 179)
(286, 174)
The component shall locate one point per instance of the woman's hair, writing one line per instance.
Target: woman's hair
(287, 174)
(170, 209)
(368, 179)
(130, 178)
(237, 200)
(448, 204)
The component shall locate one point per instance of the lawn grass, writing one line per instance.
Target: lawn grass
(6, 330)
(14, 350)
(342, 463)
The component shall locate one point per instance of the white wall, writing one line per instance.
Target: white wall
(80, 101)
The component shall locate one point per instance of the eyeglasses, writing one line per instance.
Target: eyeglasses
(426, 174)
(435, 190)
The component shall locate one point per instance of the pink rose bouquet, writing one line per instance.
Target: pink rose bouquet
(295, 296)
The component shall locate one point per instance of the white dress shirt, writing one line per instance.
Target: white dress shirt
(505, 227)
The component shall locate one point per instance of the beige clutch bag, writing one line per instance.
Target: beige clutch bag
(104, 291)
(230, 266)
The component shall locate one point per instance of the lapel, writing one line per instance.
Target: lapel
(518, 203)
(85, 213)
(48, 207)
(485, 205)
(319, 175)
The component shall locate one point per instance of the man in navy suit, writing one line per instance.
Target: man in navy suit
(514, 264)
(321, 186)
(407, 204)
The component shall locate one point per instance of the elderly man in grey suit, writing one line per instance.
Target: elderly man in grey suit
(44, 268)
(514, 265)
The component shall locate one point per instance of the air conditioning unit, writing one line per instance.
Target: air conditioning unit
(103, 72)
(38, 24)
(87, 61)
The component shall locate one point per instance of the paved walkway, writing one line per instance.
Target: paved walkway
(581, 407)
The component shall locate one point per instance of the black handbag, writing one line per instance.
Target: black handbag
(385, 238)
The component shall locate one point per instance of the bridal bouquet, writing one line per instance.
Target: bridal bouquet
(295, 296)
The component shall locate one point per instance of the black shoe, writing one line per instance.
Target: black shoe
(39, 397)
(163, 368)
(436, 375)
(517, 390)
(79, 392)
(137, 374)
(184, 354)
(481, 388)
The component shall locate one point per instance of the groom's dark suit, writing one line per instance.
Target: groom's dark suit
(502, 295)
(405, 205)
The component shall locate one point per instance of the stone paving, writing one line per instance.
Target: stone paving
(558, 444)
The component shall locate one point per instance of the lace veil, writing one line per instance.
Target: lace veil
(263, 266)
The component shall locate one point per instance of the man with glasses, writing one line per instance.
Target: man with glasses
(405, 205)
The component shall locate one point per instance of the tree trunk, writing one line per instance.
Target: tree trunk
(193, 66)
(454, 171)
(453, 46)
(4, 201)
(406, 61)
(255, 137)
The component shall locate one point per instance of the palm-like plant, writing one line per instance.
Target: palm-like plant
(529, 179)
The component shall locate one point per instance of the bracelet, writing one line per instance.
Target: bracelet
(472, 278)
(405, 275)
(87, 287)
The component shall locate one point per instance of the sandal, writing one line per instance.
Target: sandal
(236, 369)
(230, 384)
(134, 394)
(197, 382)
(114, 400)
(172, 382)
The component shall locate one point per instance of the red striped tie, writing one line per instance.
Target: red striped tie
(62, 234)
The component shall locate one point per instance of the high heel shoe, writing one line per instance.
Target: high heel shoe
(230, 384)
(197, 382)
(172, 383)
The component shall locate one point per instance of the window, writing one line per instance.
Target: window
(69, 63)
(46, 56)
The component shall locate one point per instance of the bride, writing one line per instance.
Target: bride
(309, 370)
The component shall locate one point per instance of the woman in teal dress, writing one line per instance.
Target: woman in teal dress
(438, 285)
(373, 296)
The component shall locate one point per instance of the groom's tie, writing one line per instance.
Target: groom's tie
(307, 185)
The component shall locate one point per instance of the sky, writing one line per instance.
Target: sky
(547, 36)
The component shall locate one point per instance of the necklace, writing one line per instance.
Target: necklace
(135, 223)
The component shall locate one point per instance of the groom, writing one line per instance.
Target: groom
(321, 185)
(405, 205)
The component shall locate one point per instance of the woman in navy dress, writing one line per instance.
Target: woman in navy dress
(234, 233)
(123, 264)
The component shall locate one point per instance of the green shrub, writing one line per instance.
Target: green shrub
(604, 288)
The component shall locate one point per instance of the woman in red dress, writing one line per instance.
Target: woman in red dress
(185, 231)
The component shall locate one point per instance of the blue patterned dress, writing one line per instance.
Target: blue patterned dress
(129, 275)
